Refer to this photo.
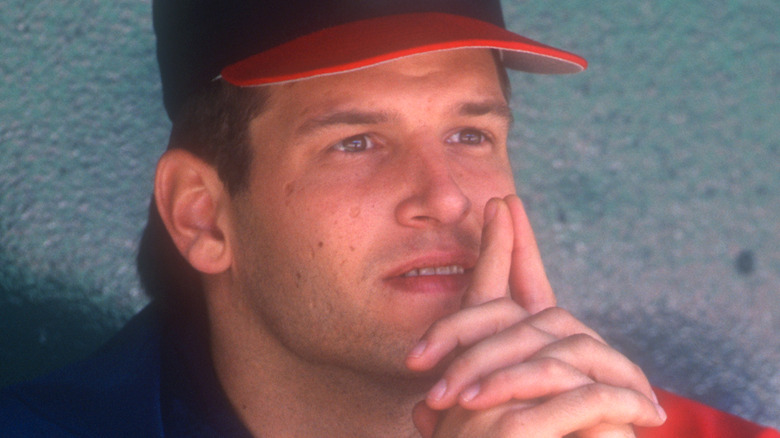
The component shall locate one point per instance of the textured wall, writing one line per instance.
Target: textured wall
(652, 180)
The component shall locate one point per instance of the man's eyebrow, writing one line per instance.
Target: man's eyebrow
(345, 117)
(495, 108)
(361, 117)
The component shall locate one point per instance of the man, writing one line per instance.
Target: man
(335, 247)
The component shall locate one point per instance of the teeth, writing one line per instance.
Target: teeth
(438, 270)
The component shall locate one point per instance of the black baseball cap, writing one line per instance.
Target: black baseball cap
(260, 42)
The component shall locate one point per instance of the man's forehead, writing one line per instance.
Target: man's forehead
(466, 81)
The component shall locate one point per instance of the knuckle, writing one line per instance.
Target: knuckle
(464, 364)
(500, 380)
(504, 308)
(516, 420)
(442, 329)
(596, 394)
(503, 301)
(522, 330)
(628, 402)
(584, 342)
(513, 310)
(555, 313)
(554, 369)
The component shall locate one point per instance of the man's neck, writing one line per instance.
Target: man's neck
(276, 393)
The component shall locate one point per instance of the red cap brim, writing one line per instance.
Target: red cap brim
(369, 42)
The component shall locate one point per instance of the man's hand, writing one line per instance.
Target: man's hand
(523, 367)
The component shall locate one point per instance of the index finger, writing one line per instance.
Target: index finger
(528, 283)
(491, 273)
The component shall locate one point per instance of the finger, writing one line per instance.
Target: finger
(499, 334)
(507, 348)
(592, 357)
(469, 326)
(561, 323)
(599, 361)
(463, 329)
(528, 281)
(584, 408)
(491, 272)
(559, 367)
(425, 419)
(534, 379)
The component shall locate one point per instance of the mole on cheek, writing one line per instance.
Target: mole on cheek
(289, 188)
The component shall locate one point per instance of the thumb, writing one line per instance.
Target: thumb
(425, 419)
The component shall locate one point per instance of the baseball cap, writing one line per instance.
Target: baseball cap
(260, 42)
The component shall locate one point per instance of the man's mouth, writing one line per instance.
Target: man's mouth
(435, 270)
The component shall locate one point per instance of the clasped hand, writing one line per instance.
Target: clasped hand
(523, 367)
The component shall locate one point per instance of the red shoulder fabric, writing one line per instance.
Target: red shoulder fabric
(690, 419)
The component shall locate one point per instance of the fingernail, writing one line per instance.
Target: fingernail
(655, 397)
(438, 390)
(470, 393)
(419, 349)
(661, 412)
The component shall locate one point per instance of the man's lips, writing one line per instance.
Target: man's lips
(439, 272)
(435, 263)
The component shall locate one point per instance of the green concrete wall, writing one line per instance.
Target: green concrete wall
(652, 180)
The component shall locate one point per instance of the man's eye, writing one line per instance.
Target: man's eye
(356, 143)
(471, 137)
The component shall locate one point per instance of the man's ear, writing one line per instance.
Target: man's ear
(193, 202)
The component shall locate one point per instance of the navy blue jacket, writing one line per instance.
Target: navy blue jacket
(146, 382)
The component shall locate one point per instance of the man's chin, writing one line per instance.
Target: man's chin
(411, 383)
(416, 319)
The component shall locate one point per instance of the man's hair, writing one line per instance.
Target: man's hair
(213, 125)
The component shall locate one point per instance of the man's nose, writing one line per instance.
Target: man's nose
(434, 193)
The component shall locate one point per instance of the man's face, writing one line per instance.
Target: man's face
(363, 216)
